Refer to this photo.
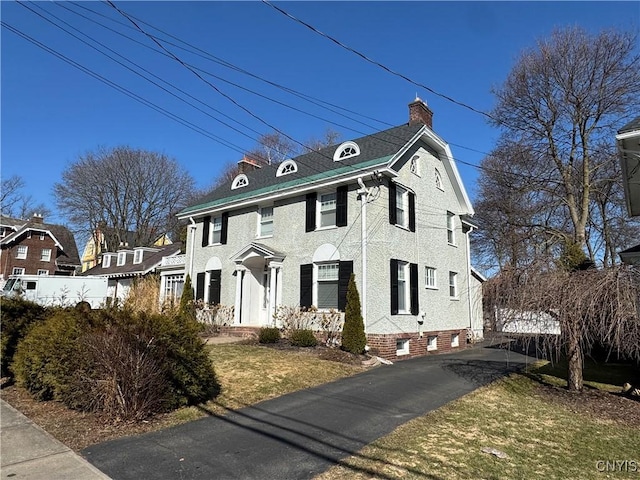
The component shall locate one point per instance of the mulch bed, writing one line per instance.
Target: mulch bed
(334, 354)
(595, 403)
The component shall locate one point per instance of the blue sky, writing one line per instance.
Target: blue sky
(53, 112)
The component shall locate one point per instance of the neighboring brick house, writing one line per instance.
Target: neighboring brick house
(32, 247)
(124, 266)
(389, 207)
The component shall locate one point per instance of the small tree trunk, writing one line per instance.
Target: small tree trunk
(574, 356)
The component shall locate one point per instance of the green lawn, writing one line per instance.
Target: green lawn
(543, 440)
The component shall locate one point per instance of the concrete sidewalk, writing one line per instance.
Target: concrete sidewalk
(28, 452)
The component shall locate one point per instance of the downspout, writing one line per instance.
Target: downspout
(468, 235)
(193, 227)
(364, 198)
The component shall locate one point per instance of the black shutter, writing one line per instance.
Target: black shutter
(413, 287)
(311, 212)
(412, 211)
(205, 230)
(215, 276)
(341, 206)
(393, 218)
(345, 269)
(223, 231)
(200, 286)
(306, 285)
(394, 286)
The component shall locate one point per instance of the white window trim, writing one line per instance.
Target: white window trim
(316, 281)
(434, 286)
(260, 223)
(455, 340)
(405, 349)
(46, 258)
(289, 165)
(42, 271)
(432, 343)
(240, 181)
(122, 259)
(453, 276)
(137, 256)
(17, 271)
(407, 288)
(439, 184)
(451, 229)
(414, 165)
(212, 230)
(403, 193)
(319, 211)
(338, 154)
(41, 235)
(106, 261)
(22, 255)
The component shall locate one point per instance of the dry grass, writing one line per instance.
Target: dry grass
(247, 374)
(542, 437)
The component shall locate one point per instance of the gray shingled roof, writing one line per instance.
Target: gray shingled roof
(631, 126)
(375, 149)
(69, 255)
(150, 260)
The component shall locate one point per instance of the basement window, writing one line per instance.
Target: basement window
(402, 346)
(432, 343)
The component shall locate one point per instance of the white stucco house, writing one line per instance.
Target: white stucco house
(389, 207)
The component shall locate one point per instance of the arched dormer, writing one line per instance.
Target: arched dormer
(240, 181)
(346, 150)
(287, 167)
(439, 185)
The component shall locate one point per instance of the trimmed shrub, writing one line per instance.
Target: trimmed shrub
(269, 335)
(17, 316)
(126, 364)
(48, 355)
(303, 338)
(353, 337)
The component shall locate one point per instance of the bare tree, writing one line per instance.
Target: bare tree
(330, 137)
(123, 192)
(273, 148)
(563, 100)
(591, 307)
(15, 203)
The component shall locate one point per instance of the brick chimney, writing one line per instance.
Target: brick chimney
(247, 164)
(420, 113)
(37, 218)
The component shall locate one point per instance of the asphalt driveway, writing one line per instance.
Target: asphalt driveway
(299, 435)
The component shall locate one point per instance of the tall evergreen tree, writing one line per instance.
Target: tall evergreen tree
(353, 336)
(187, 306)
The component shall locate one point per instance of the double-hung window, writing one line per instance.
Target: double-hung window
(326, 210)
(430, 278)
(45, 255)
(17, 271)
(214, 230)
(122, 258)
(266, 222)
(453, 285)
(451, 229)
(137, 256)
(22, 252)
(404, 287)
(402, 207)
(327, 285)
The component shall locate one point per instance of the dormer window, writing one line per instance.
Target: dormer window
(122, 258)
(106, 261)
(287, 167)
(137, 256)
(240, 181)
(346, 150)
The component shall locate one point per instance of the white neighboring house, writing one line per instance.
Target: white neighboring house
(628, 141)
(121, 268)
(389, 207)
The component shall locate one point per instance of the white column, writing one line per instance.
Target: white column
(272, 290)
(238, 304)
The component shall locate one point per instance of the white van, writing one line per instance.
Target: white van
(53, 290)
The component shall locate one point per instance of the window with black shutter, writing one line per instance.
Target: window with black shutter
(341, 206)
(215, 277)
(393, 270)
(412, 211)
(306, 285)
(392, 203)
(205, 230)
(345, 270)
(200, 286)
(310, 224)
(413, 287)
(225, 224)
